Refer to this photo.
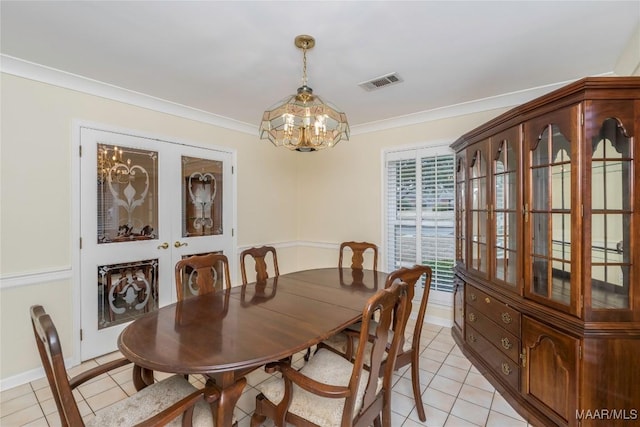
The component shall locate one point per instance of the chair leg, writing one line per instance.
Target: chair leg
(415, 381)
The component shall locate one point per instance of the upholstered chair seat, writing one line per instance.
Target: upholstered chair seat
(326, 367)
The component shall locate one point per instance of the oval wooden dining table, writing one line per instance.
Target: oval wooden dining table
(226, 334)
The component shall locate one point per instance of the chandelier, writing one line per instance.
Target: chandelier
(304, 122)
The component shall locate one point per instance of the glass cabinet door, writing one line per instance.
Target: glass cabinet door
(461, 209)
(478, 208)
(552, 232)
(505, 207)
(610, 158)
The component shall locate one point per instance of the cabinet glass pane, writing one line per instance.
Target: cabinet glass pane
(505, 192)
(540, 234)
(540, 188)
(127, 194)
(461, 213)
(561, 186)
(479, 211)
(611, 189)
(551, 216)
(201, 197)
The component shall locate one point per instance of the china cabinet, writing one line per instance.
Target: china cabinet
(547, 286)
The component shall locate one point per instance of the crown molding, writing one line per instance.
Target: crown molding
(505, 100)
(29, 70)
(21, 68)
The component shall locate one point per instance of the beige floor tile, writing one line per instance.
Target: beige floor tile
(93, 388)
(476, 395)
(14, 392)
(106, 398)
(496, 419)
(438, 399)
(18, 404)
(477, 380)
(453, 421)
(500, 405)
(22, 416)
(445, 385)
(453, 373)
(402, 404)
(470, 412)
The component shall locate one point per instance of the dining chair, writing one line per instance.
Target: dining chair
(409, 352)
(198, 274)
(331, 391)
(358, 250)
(164, 402)
(259, 256)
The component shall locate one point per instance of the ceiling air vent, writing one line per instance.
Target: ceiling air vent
(380, 82)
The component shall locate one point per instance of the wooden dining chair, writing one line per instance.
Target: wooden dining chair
(409, 353)
(198, 274)
(358, 250)
(259, 256)
(164, 402)
(330, 390)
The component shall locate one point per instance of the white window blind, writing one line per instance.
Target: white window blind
(419, 212)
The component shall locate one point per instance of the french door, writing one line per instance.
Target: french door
(145, 204)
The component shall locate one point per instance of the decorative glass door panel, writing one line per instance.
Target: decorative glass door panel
(505, 206)
(127, 194)
(202, 197)
(126, 290)
(479, 209)
(611, 208)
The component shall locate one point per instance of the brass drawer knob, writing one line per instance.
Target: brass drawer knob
(506, 344)
(506, 317)
(472, 317)
(505, 368)
(472, 338)
(473, 297)
(487, 300)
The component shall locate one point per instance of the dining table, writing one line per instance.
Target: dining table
(226, 334)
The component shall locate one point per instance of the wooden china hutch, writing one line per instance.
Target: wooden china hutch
(547, 284)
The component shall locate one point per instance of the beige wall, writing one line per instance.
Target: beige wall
(304, 200)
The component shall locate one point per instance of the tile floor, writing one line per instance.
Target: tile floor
(454, 393)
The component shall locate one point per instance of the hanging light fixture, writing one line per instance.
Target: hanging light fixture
(304, 122)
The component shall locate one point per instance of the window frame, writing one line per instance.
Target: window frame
(417, 153)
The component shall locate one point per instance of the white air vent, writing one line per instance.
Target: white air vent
(380, 82)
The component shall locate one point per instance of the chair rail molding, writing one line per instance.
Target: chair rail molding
(28, 278)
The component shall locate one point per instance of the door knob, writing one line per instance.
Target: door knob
(178, 244)
(165, 245)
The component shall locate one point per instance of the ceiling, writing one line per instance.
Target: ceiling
(236, 58)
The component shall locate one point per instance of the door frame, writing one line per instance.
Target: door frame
(76, 205)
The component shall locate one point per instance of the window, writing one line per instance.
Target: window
(419, 212)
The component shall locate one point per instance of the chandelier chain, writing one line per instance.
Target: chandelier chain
(304, 66)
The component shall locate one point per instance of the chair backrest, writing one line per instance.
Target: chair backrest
(259, 255)
(411, 276)
(50, 351)
(198, 274)
(384, 306)
(358, 249)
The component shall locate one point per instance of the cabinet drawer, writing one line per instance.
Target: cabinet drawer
(494, 309)
(502, 366)
(504, 340)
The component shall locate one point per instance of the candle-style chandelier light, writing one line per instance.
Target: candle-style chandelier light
(304, 122)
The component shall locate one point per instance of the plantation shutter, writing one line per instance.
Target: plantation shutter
(419, 212)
